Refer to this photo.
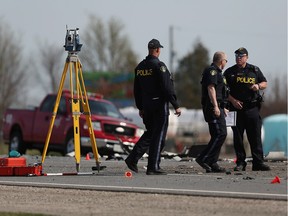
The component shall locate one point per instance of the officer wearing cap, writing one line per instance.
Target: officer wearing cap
(245, 81)
(214, 100)
(153, 91)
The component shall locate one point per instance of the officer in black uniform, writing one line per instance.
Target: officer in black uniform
(153, 90)
(245, 80)
(214, 98)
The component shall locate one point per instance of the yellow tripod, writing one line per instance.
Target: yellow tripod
(78, 94)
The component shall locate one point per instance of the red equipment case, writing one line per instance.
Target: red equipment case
(30, 170)
(17, 167)
(13, 162)
(6, 171)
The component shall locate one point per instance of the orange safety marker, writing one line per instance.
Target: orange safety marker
(128, 174)
(275, 180)
(87, 156)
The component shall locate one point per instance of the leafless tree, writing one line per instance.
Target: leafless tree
(51, 61)
(276, 101)
(106, 48)
(12, 71)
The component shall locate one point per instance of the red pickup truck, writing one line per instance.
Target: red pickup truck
(27, 129)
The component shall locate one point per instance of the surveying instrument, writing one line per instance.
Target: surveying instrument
(78, 95)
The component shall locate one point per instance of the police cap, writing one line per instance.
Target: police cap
(241, 51)
(154, 44)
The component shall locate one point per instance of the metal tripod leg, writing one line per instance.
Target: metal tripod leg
(75, 104)
(54, 111)
(87, 113)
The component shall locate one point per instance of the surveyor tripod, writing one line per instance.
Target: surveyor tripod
(78, 95)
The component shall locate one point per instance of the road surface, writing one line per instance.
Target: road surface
(186, 190)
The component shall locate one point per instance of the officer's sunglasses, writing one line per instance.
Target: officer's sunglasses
(240, 55)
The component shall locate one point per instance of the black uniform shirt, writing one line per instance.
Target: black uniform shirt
(153, 82)
(240, 80)
(213, 75)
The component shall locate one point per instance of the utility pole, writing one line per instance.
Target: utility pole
(171, 46)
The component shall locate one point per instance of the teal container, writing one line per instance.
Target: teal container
(275, 134)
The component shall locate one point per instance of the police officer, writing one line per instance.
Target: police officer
(214, 98)
(153, 90)
(245, 80)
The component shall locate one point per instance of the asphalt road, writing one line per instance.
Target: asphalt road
(185, 177)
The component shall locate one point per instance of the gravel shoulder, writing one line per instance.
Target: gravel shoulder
(83, 202)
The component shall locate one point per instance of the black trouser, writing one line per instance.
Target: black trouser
(249, 120)
(156, 123)
(218, 133)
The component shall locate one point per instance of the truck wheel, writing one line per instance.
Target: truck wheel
(16, 142)
(69, 144)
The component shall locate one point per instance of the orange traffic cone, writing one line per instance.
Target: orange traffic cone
(275, 180)
(87, 156)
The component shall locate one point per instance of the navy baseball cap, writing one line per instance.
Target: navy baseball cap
(241, 51)
(154, 44)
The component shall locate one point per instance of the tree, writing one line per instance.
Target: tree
(106, 48)
(188, 76)
(276, 102)
(51, 59)
(12, 71)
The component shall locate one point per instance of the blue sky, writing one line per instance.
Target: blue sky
(258, 25)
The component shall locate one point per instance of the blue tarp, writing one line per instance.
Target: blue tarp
(275, 134)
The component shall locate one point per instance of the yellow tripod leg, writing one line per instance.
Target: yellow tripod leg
(75, 115)
(87, 113)
(54, 112)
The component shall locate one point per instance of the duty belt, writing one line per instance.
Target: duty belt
(221, 104)
(250, 104)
